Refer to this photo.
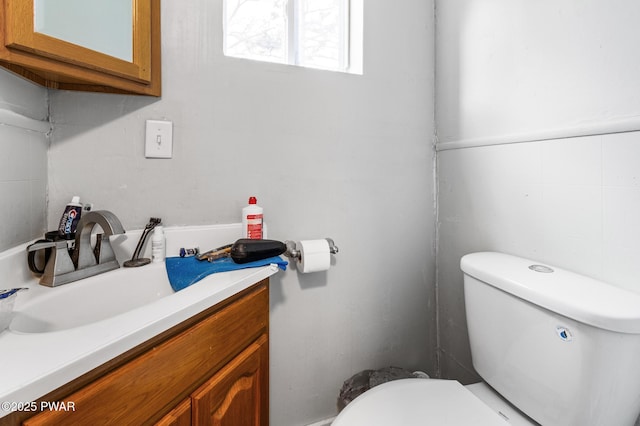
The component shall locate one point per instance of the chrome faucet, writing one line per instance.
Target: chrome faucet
(83, 261)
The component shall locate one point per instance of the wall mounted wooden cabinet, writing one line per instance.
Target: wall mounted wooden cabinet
(47, 59)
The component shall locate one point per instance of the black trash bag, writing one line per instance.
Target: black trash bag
(361, 382)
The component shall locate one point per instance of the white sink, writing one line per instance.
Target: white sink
(89, 300)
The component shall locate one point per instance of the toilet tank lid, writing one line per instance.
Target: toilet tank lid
(566, 293)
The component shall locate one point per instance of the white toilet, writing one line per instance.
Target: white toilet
(562, 348)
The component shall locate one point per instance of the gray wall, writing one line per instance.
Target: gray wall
(327, 154)
(559, 79)
(23, 163)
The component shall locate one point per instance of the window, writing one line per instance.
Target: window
(323, 34)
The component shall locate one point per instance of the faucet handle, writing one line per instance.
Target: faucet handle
(41, 244)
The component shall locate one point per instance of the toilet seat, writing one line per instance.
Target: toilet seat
(417, 402)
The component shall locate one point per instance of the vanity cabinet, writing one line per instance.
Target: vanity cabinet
(52, 59)
(211, 370)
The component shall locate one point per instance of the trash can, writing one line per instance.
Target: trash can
(361, 382)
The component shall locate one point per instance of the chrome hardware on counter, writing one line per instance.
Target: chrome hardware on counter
(294, 253)
(83, 261)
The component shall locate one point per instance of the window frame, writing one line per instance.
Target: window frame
(294, 19)
(350, 38)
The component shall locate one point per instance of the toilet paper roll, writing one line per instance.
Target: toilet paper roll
(314, 255)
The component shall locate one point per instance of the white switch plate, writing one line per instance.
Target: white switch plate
(158, 139)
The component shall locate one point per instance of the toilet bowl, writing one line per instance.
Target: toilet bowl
(417, 402)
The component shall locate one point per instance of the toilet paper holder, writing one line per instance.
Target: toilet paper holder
(295, 254)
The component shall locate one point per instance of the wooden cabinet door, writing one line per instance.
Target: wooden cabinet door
(179, 416)
(56, 63)
(21, 34)
(238, 394)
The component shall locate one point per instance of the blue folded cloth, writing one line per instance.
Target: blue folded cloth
(184, 271)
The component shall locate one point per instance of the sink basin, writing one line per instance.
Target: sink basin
(90, 300)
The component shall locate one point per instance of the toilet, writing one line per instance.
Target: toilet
(552, 347)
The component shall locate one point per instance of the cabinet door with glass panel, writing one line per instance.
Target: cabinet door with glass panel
(95, 45)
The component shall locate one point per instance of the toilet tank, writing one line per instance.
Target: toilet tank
(563, 348)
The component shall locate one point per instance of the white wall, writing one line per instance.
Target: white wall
(327, 154)
(23, 162)
(510, 69)
(514, 71)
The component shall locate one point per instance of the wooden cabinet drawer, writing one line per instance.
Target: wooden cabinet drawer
(143, 390)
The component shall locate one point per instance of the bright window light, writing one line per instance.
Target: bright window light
(325, 34)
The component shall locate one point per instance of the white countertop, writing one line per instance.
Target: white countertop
(34, 364)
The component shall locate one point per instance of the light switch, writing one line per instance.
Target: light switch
(158, 139)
